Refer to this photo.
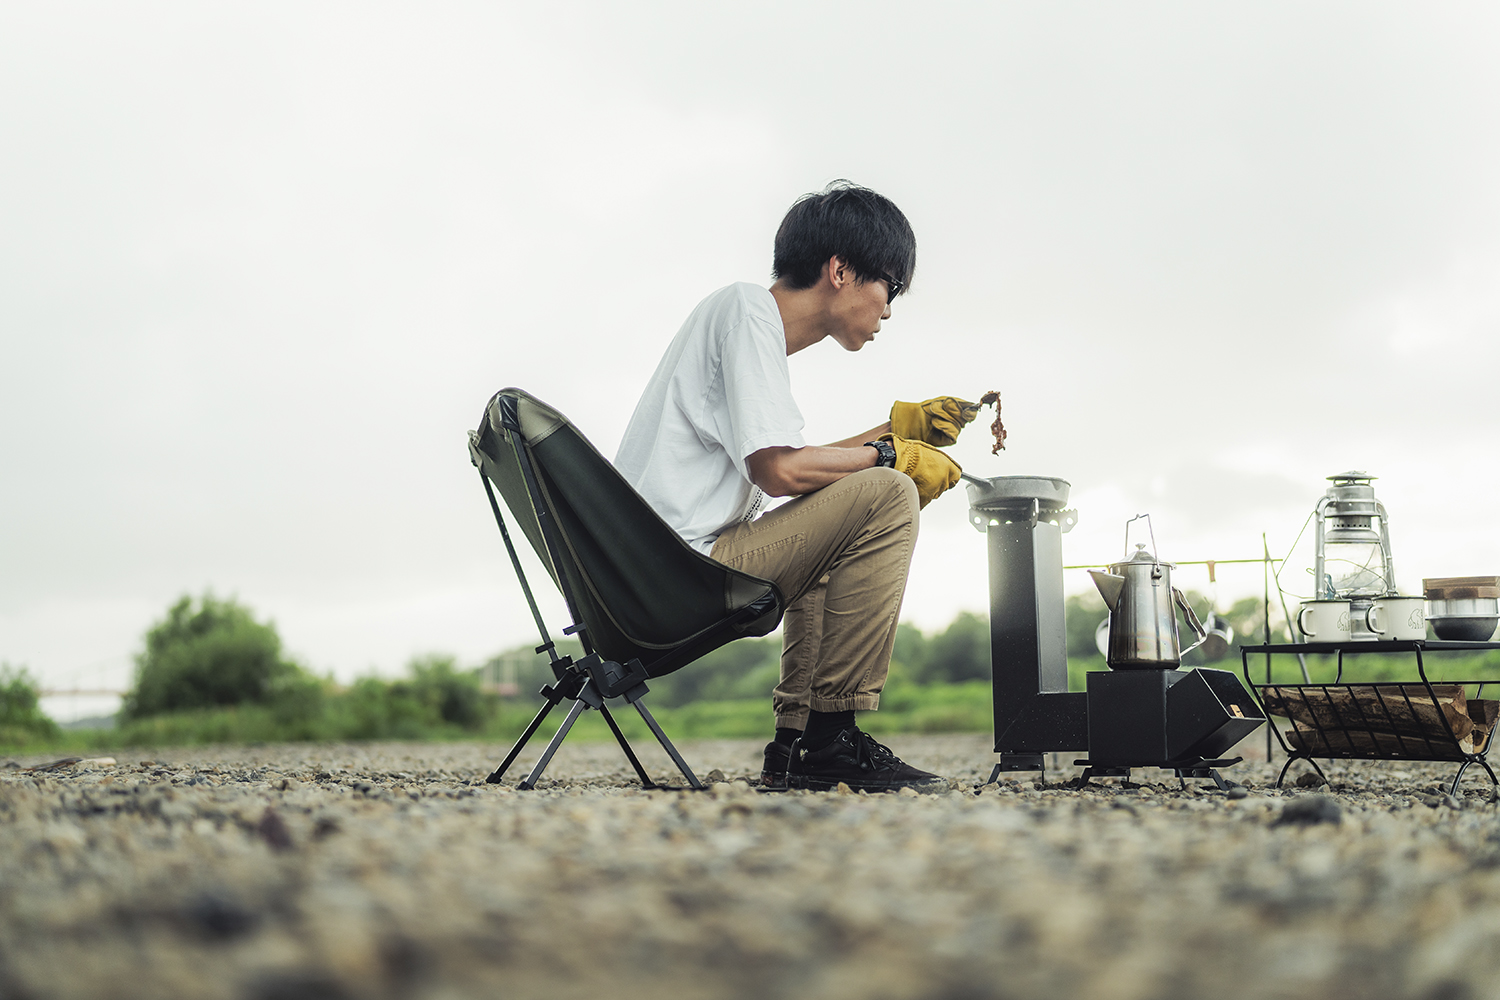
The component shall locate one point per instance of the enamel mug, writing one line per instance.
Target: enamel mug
(1324, 621)
(1397, 618)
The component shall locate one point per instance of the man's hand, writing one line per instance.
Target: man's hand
(932, 471)
(935, 421)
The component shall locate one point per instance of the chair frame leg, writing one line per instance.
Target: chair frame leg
(498, 774)
(666, 745)
(614, 727)
(562, 732)
(581, 703)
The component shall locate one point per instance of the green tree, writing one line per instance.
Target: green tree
(212, 653)
(21, 717)
(961, 652)
(1082, 614)
(449, 695)
(911, 649)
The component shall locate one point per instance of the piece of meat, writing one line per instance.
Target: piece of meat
(997, 428)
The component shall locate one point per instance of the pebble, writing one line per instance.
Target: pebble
(1309, 810)
(378, 870)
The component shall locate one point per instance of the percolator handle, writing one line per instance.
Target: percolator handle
(1192, 619)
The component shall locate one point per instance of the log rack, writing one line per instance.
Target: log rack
(1385, 720)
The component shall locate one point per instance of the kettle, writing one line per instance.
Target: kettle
(1142, 620)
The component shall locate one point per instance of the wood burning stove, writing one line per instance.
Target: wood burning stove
(1183, 720)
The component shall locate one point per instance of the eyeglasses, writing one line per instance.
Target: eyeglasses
(892, 287)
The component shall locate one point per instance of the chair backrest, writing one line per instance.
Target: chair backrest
(640, 590)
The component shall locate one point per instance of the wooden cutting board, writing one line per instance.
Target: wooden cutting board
(1460, 588)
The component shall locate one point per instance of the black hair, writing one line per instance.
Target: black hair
(863, 229)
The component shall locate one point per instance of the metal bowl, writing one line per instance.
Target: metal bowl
(1463, 607)
(1464, 628)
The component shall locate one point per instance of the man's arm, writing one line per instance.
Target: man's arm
(859, 439)
(786, 472)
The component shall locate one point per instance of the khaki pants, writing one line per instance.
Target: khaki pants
(840, 557)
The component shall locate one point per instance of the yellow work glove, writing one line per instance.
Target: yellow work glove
(935, 421)
(932, 470)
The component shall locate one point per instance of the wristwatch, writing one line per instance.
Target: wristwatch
(885, 451)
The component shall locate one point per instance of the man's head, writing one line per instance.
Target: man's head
(863, 229)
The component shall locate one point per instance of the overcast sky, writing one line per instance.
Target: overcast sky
(262, 265)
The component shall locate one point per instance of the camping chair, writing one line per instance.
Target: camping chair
(643, 602)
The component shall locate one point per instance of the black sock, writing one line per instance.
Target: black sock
(822, 727)
(786, 737)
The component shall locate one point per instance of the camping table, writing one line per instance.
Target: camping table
(1387, 720)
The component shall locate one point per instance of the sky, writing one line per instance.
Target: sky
(261, 266)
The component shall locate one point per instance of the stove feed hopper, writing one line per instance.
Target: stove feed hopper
(1166, 718)
(1208, 712)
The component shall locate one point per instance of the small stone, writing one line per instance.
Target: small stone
(219, 916)
(910, 793)
(273, 830)
(1312, 779)
(844, 789)
(715, 775)
(1309, 810)
(1238, 792)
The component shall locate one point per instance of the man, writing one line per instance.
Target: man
(717, 431)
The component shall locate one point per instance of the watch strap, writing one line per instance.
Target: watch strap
(885, 452)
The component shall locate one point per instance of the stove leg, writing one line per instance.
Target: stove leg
(994, 777)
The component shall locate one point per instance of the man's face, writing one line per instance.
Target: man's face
(858, 310)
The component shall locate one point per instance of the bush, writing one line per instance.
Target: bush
(1082, 614)
(435, 699)
(446, 694)
(961, 652)
(215, 654)
(21, 718)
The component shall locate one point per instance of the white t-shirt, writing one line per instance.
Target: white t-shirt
(721, 393)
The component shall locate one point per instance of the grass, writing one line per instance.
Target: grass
(906, 707)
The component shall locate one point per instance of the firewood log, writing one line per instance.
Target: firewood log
(1360, 743)
(1401, 709)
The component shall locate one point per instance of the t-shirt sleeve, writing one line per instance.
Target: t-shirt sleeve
(758, 390)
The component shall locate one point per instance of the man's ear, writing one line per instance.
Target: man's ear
(838, 273)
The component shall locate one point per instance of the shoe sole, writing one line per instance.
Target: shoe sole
(773, 781)
(804, 782)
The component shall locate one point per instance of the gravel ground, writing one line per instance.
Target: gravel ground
(391, 870)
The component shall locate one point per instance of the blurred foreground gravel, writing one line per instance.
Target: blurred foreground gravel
(391, 870)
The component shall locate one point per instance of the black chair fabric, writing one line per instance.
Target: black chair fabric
(642, 592)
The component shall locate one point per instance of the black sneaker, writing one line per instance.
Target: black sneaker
(857, 760)
(773, 772)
